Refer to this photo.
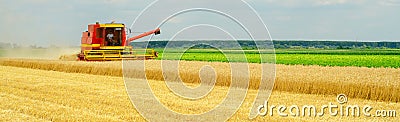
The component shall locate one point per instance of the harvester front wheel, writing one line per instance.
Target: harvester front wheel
(81, 57)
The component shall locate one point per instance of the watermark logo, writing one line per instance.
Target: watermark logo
(341, 108)
(341, 99)
(201, 20)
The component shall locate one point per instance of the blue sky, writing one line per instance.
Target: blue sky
(55, 22)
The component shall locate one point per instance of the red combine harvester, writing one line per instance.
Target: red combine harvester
(109, 42)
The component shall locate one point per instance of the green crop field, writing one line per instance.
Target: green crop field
(340, 60)
(1, 52)
(360, 58)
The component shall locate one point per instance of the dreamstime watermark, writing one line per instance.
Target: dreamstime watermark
(341, 108)
(200, 19)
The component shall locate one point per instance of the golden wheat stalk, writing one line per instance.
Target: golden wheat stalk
(39, 95)
(367, 83)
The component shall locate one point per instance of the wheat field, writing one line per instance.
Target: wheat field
(40, 95)
(380, 84)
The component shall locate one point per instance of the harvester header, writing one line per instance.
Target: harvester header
(109, 41)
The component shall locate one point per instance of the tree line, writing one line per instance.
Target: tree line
(280, 44)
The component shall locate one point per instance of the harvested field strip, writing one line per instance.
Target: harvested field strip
(56, 95)
(39, 95)
(367, 83)
(53, 94)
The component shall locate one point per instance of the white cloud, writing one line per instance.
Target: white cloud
(176, 20)
(389, 2)
(330, 2)
(22, 19)
(303, 3)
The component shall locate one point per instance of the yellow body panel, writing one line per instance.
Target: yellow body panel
(90, 45)
(115, 47)
(109, 55)
(114, 25)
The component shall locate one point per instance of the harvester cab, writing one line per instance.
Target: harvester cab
(108, 42)
(113, 37)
